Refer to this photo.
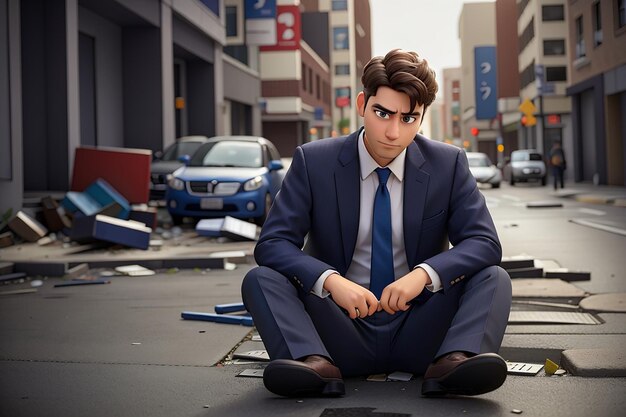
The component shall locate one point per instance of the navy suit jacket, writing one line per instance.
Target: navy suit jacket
(313, 223)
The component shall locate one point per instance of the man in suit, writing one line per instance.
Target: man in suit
(379, 255)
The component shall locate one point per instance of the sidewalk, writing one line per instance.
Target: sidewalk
(595, 194)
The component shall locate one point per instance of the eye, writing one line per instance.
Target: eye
(381, 114)
(408, 119)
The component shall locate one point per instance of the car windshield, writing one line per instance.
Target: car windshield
(228, 154)
(479, 161)
(179, 149)
(526, 156)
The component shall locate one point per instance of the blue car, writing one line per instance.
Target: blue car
(236, 176)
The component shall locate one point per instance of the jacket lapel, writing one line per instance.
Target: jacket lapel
(415, 190)
(347, 186)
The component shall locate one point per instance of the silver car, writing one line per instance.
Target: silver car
(166, 162)
(527, 165)
(483, 169)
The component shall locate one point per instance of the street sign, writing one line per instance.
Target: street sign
(531, 120)
(527, 107)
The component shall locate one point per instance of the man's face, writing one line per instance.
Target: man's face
(390, 125)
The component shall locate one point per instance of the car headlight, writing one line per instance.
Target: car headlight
(253, 184)
(175, 183)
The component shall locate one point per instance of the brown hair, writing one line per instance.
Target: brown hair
(403, 71)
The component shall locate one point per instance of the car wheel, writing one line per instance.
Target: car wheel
(512, 180)
(268, 203)
(495, 185)
(177, 220)
(544, 180)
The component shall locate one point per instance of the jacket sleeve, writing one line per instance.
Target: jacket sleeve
(471, 231)
(283, 235)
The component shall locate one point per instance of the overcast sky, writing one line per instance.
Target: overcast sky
(428, 27)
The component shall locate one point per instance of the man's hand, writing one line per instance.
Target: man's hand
(396, 295)
(351, 296)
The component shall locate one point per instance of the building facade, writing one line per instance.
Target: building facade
(597, 87)
(542, 36)
(295, 77)
(351, 49)
(452, 106)
(509, 116)
(118, 73)
(477, 30)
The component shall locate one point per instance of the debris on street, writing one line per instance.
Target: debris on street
(550, 367)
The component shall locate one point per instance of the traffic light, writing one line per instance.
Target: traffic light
(500, 148)
(524, 120)
(474, 131)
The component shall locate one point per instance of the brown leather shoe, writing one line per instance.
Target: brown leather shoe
(457, 373)
(315, 376)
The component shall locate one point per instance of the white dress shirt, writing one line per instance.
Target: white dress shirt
(359, 269)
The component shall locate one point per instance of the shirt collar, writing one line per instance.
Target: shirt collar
(368, 165)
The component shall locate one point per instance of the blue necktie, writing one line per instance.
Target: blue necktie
(382, 273)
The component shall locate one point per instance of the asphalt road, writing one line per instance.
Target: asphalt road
(122, 350)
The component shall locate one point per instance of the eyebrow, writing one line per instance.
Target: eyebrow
(379, 107)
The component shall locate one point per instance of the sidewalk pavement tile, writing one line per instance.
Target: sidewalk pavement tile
(605, 302)
(595, 362)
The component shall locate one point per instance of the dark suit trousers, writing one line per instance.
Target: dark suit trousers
(471, 316)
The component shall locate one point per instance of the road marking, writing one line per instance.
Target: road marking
(592, 224)
(592, 211)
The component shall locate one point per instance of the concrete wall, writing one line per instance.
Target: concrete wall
(142, 86)
(11, 187)
(45, 95)
(108, 76)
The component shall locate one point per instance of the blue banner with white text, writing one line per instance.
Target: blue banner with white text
(485, 82)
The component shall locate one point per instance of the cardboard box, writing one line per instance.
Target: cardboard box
(127, 170)
(144, 214)
(99, 198)
(229, 227)
(81, 202)
(111, 229)
(6, 239)
(55, 216)
(27, 227)
(105, 195)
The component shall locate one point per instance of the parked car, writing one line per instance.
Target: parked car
(166, 162)
(483, 169)
(527, 164)
(236, 176)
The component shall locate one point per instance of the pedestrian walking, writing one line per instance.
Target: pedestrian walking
(558, 164)
(379, 254)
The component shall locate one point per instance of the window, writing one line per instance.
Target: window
(310, 80)
(556, 74)
(527, 75)
(554, 47)
(580, 40)
(231, 20)
(341, 40)
(213, 5)
(303, 77)
(239, 52)
(340, 4)
(597, 24)
(527, 35)
(552, 13)
(521, 6)
(621, 13)
(318, 87)
(342, 69)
